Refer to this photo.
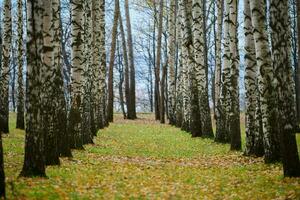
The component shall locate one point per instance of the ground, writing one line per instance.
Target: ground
(146, 160)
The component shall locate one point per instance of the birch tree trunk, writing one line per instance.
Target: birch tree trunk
(186, 93)
(234, 114)
(88, 126)
(2, 174)
(4, 79)
(159, 64)
(179, 80)
(47, 95)
(254, 135)
(200, 67)
(77, 47)
(171, 62)
(96, 91)
(20, 103)
(196, 56)
(222, 108)
(158, 61)
(254, 143)
(297, 70)
(266, 82)
(188, 40)
(60, 105)
(218, 67)
(34, 160)
(281, 49)
(204, 97)
(102, 108)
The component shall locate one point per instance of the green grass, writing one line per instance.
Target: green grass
(145, 160)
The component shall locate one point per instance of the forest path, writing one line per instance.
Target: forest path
(143, 159)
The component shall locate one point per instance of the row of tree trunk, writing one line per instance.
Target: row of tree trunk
(128, 59)
(53, 129)
(271, 109)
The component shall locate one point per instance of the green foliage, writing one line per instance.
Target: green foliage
(145, 160)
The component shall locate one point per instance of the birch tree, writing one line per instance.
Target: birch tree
(34, 159)
(281, 48)
(266, 81)
(102, 88)
(218, 67)
(59, 102)
(20, 104)
(96, 17)
(77, 46)
(87, 116)
(2, 174)
(171, 62)
(200, 66)
(222, 132)
(186, 106)
(47, 94)
(297, 71)
(4, 79)
(254, 135)
(234, 114)
(179, 80)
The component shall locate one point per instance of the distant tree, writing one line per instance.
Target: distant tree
(132, 108)
(158, 65)
(110, 106)
(163, 95)
(158, 62)
(126, 64)
(4, 79)
(120, 68)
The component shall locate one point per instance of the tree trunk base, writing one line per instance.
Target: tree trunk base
(29, 173)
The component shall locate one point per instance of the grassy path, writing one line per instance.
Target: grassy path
(145, 160)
